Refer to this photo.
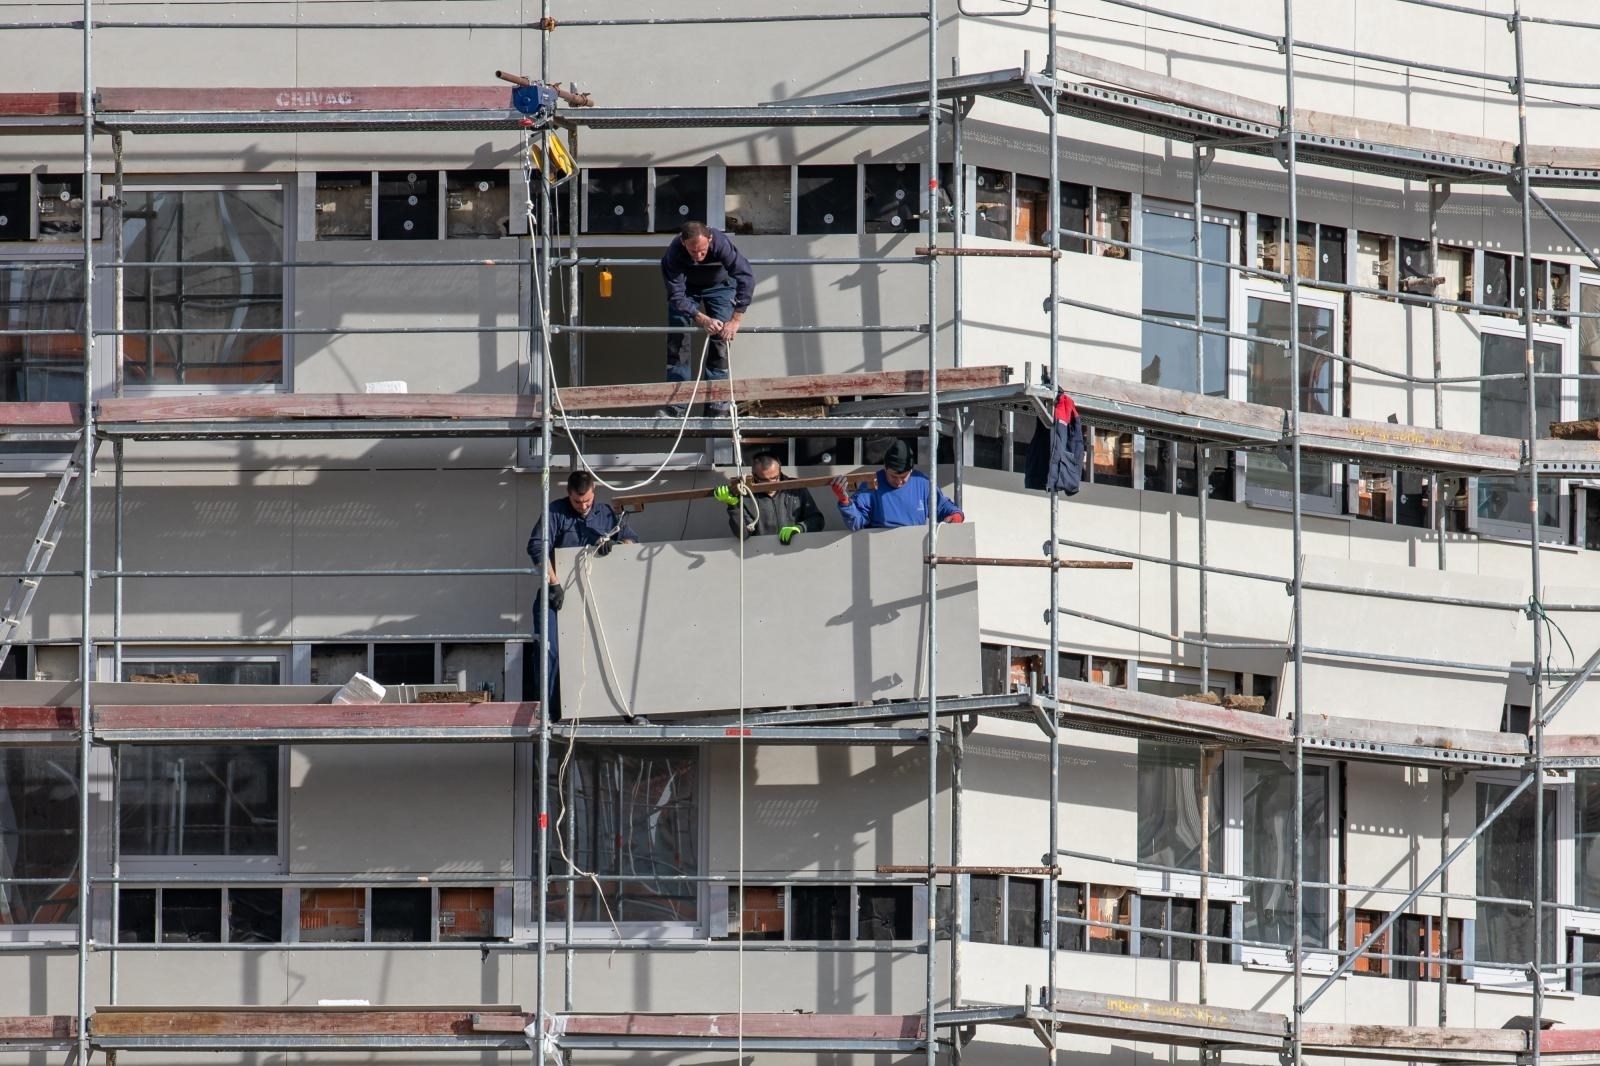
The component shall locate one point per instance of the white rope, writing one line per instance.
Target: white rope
(744, 493)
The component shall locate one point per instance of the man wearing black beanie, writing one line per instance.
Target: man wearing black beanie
(900, 497)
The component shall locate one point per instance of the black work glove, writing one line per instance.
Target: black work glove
(558, 596)
(603, 548)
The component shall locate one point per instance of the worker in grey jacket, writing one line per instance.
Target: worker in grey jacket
(765, 511)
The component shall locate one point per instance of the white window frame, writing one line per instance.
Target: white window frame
(1560, 787)
(287, 188)
(1325, 960)
(1239, 387)
(603, 930)
(1566, 341)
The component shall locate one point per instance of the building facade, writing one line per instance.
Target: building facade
(1319, 336)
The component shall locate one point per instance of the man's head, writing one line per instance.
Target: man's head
(696, 238)
(580, 492)
(765, 468)
(897, 464)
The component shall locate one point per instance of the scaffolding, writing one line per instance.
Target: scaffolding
(930, 401)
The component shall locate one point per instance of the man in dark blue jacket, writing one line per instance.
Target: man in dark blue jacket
(899, 499)
(575, 522)
(710, 285)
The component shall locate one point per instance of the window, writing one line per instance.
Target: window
(681, 196)
(16, 212)
(1269, 829)
(1007, 910)
(1374, 261)
(204, 672)
(60, 207)
(1587, 835)
(1504, 931)
(1267, 478)
(39, 835)
(634, 814)
(234, 226)
(820, 912)
(40, 294)
(1033, 210)
(616, 200)
(200, 801)
(883, 912)
(1170, 352)
(1504, 412)
(826, 199)
(1497, 280)
(1169, 812)
(1589, 352)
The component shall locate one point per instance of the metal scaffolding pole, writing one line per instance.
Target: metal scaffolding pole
(931, 586)
(538, 341)
(1535, 768)
(1053, 545)
(86, 474)
(1297, 610)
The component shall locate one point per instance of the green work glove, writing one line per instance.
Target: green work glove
(788, 533)
(725, 494)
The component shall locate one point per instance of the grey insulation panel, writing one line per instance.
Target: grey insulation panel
(833, 618)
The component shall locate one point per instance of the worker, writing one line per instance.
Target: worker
(768, 510)
(900, 498)
(710, 285)
(575, 522)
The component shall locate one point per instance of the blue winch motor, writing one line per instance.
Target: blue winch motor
(534, 99)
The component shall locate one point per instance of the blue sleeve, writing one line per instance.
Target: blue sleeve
(738, 268)
(536, 541)
(858, 512)
(673, 276)
(946, 508)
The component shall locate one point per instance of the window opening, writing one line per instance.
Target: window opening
(408, 205)
(889, 200)
(41, 368)
(344, 205)
(616, 200)
(1504, 931)
(477, 204)
(60, 207)
(1503, 412)
(883, 912)
(255, 915)
(826, 199)
(191, 915)
(1267, 476)
(682, 195)
(992, 204)
(38, 834)
(757, 200)
(16, 214)
(402, 915)
(333, 914)
(200, 800)
(820, 912)
(1033, 210)
(1268, 814)
(1169, 290)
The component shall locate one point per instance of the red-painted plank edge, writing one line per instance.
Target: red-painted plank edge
(319, 716)
(38, 719)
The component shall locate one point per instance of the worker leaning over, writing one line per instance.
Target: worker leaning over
(900, 498)
(710, 285)
(575, 522)
(786, 512)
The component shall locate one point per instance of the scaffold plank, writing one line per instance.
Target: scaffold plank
(316, 721)
(38, 719)
(1569, 1041)
(1080, 699)
(505, 407)
(305, 98)
(38, 1027)
(112, 1022)
(50, 413)
(1414, 1037)
(754, 1026)
(1208, 1022)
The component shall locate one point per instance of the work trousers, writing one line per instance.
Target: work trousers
(683, 349)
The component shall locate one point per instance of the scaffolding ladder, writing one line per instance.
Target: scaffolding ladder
(40, 552)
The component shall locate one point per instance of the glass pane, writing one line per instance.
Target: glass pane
(1506, 870)
(1268, 841)
(191, 915)
(1268, 383)
(202, 672)
(883, 912)
(1169, 286)
(216, 226)
(1024, 898)
(1589, 352)
(634, 814)
(1587, 835)
(1504, 413)
(985, 909)
(255, 915)
(1169, 806)
(200, 800)
(39, 834)
(41, 368)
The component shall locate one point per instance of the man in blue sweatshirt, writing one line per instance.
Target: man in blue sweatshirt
(710, 285)
(900, 498)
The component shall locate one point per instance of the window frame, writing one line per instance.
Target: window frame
(603, 929)
(1565, 340)
(1561, 787)
(48, 932)
(156, 867)
(1239, 388)
(288, 190)
(1238, 227)
(1323, 960)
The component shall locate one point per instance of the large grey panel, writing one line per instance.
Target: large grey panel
(833, 618)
